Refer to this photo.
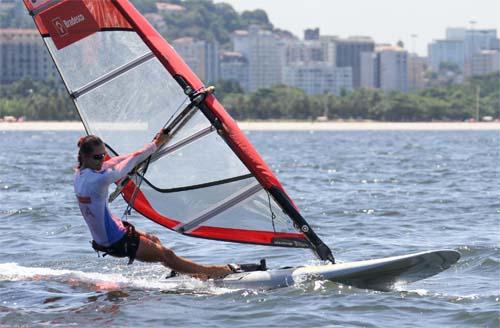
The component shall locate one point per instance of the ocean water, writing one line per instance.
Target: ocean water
(367, 194)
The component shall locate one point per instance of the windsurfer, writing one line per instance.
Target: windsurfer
(111, 235)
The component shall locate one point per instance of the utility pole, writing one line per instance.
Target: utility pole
(478, 91)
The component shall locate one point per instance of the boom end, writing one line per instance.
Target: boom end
(324, 253)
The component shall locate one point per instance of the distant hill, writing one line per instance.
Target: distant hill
(200, 19)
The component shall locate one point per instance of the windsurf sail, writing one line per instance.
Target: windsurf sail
(127, 82)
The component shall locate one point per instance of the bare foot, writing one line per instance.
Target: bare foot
(218, 272)
(200, 276)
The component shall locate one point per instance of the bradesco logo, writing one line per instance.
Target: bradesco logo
(69, 22)
(60, 28)
(62, 25)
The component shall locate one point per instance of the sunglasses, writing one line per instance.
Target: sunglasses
(99, 157)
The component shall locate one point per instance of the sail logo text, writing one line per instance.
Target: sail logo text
(62, 25)
(74, 20)
(68, 22)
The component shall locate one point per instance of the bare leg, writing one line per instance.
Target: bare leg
(152, 251)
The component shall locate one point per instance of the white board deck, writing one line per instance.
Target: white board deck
(378, 274)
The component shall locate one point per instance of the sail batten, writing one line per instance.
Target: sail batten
(225, 204)
(111, 75)
(128, 83)
(184, 142)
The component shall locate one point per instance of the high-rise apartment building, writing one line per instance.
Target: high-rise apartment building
(329, 49)
(417, 66)
(393, 68)
(473, 41)
(447, 51)
(486, 62)
(369, 70)
(299, 51)
(455, 33)
(348, 54)
(201, 56)
(311, 34)
(386, 68)
(234, 67)
(318, 78)
(265, 52)
(478, 40)
(24, 56)
(496, 45)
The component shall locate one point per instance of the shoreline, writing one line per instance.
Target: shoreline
(288, 126)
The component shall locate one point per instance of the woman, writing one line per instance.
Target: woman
(112, 236)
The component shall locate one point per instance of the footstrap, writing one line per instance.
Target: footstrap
(249, 267)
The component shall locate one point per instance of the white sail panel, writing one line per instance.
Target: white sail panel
(146, 96)
(182, 206)
(205, 160)
(88, 59)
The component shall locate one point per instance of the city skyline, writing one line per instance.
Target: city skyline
(386, 21)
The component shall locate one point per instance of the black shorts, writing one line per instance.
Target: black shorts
(125, 247)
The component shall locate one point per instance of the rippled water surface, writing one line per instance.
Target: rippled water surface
(368, 194)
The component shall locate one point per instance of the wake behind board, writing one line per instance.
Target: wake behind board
(377, 274)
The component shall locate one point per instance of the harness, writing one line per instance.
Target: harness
(126, 247)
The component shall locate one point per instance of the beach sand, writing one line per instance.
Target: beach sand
(288, 126)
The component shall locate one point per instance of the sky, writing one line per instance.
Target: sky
(386, 21)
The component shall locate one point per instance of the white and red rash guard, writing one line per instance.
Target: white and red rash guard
(91, 188)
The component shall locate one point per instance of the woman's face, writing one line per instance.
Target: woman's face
(95, 159)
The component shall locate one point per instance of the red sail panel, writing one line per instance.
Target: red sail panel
(69, 22)
(103, 11)
(142, 206)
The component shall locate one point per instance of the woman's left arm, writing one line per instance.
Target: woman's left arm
(114, 161)
(124, 165)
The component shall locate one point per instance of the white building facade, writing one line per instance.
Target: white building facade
(23, 55)
(319, 78)
(234, 67)
(265, 52)
(447, 51)
(201, 56)
(486, 62)
(393, 63)
(417, 66)
(369, 70)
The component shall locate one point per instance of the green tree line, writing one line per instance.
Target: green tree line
(448, 103)
(48, 101)
(36, 100)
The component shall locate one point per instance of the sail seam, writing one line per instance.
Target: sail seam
(112, 75)
(222, 206)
